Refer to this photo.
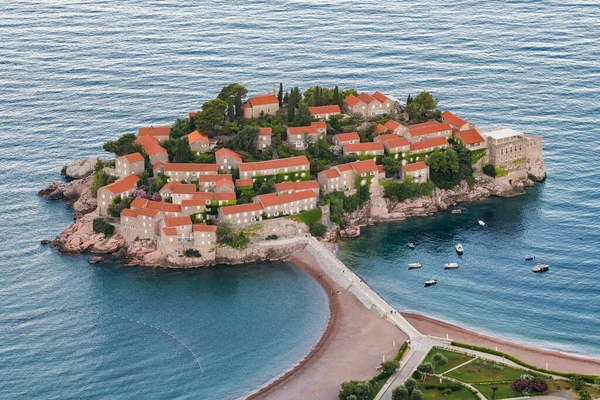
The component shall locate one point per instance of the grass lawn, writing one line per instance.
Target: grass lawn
(435, 394)
(504, 391)
(308, 217)
(485, 371)
(453, 357)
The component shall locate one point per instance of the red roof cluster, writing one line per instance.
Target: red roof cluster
(360, 147)
(428, 129)
(183, 167)
(241, 208)
(347, 137)
(334, 109)
(154, 131)
(319, 124)
(183, 220)
(204, 228)
(301, 130)
(426, 144)
(415, 166)
(150, 145)
(470, 136)
(244, 183)
(453, 120)
(122, 185)
(351, 100)
(264, 132)
(271, 199)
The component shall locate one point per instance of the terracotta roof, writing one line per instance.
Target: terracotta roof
(351, 100)
(177, 221)
(470, 136)
(159, 164)
(191, 114)
(241, 208)
(346, 137)
(423, 125)
(134, 157)
(193, 203)
(127, 212)
(148, 212)
(138, 202)
(391, 124)
(280, 187)
(312, 184)
(366, 98)
(301, 130)
(387, 137)
(380, 169)
(275, 164)
(169, 231)
(440, 141)
(195, 136)
(224, 181)
(271, 199)
(364, 166)
(415, 166)
(183, 167)
(331, 173)
(150, 145)
(334, 109)
(380, 128)
(122, 185)
(264, 132)
(163, 206)
(204, 228)
(244, 183)
(213, 177)
(263, 99)
(210, 196)
(344, 167)
(453, 119)
(225, 196)
(398, 142)
(319, 124)
(430, 129)
(184, 188)
(380, 96)
(360, 147)
(222, 152)
(154, 131)
(168, 186)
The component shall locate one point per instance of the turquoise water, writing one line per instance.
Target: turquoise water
(74, 74)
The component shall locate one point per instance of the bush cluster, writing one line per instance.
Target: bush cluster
(191, 253)
(99, 225)
(532, 385)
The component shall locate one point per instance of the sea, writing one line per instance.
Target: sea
(74, 74)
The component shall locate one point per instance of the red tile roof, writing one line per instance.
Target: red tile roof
(387, 137)
(163, 206)
(168, 186)
(184, 188)
(122, 185)
(470, 136)
(210, 196)
(344, 167)
(213, 177)
(263, 99)
(334, 109)
(360, 147)
(183, 167)
(127, 212)
(415, 166)
(423, 125)
(302, 185)
(177, 221)
(379, 96)
(264, 132)
(225, 196)
(282, 186)
(150, 145)
(138, 202)
(351, 100)
(364, 166)
(366, 98)
(204, 228)
(398, 142)
(331, 173)
(195, 136)
(193, 203)
(453, 119)
(134, 157)
(148, 212)
(275, 164)
(191, 114)
(271, 199)
(154, 131)
(169, 231)
(440, 141)
(319, 124)
(224, 181)
(430, 129)
(222, 152)
(301, 130)
(241, 208)
(346, 137)
(244, 183)
(380, 169)
(391, 124)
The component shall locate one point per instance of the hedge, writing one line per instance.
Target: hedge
(587, 378)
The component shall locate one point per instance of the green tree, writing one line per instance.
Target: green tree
(416, 395)
(336, 97)
(444, 167)
(334, 123)
(389, 367)
(230, 110)
(280, 94)
(439, 360)
(183, 152)
(392, 166)
(239, 112)
(211, 116)
(355, 388)
(124, 145)
(291, 111)
(99, 225)
(422, 107)
(318, 229)
(303, 117)
(246, 139)
(489, 170)
(181, 127)
(425, 368)
(232, 91)
(100, 179)
(410, 385)
(400, 393)
(584, 395)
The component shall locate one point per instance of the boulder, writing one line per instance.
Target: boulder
(80, 169)
(456, 211)
(95, 259)
(45, 242)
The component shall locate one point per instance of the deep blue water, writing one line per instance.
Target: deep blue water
(74, 74)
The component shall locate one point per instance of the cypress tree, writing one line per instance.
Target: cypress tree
(280, 94)
(230, 110)
(291, 106)
(336, 96)
(238, 106)
(286, 97)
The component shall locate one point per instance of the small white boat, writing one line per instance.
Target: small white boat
(481, 223)
(450, 266)
(430, 282)
(459, 248)
(529, 258)
(541, 268)
(414, 265)
(412, 246)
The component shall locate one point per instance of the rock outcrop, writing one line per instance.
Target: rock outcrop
(80, 169)
(79, 237)
(76, 192)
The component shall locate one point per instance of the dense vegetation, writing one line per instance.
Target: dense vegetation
(100, 179)
(99, 225)
(407, 189)
(450, 166)
(230, 236)
(422, 108)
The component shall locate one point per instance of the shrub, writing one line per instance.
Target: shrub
(99, 225)
(417, 375)
(191, 253)
(389, 367)
(430, 387)
(455, 387)
(584, 395)
(442, 387)
(272, 237)
(156, 197)
(410, 384)
(447, 392)
(400, 393)
(489, 170)
(577, 382)
(359, 389)
(426, 368)
(318, 229)
(416, 395)
(530, 385)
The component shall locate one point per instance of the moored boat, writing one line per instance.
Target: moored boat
(481, 223)
(450, 266)
(541, 268)
(412, 246)
(430, 282)
(459, 248)
(529, 258)
(414, 265)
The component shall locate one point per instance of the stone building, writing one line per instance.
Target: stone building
(324, 112)
(241, 214)
(364, 149)
(393, 127)
(419, 171)
(298, 135)
(394, 144)
(287, 204)
(427, 146)
(292, 187)
(343, 177)
(428, 130)
(160, 133)
(368, 105)
(184, 172)
(198, 142)
(120, 188)
(291, 167)
(264, 139)
(155, 151)
(511, 151)
(342, 139)
(227, 159)
(457, 123)
(129, 164)
(264, 103)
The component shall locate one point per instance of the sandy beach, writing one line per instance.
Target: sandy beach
(556, 361)
(352, 346)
